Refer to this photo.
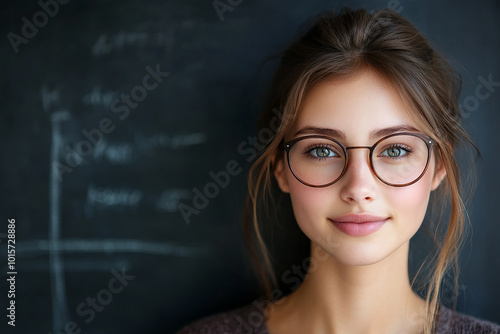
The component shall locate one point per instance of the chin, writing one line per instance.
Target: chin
(360, 256)
(363, 251)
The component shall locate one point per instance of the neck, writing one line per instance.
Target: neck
(339, 298)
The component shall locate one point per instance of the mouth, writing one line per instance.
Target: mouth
(358, 225)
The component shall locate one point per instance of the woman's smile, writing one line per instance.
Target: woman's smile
(358, 225)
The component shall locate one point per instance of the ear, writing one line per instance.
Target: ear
(439, 174)
(280, 173)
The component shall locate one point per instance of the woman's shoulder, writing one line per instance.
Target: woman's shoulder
(455, 322)
(250, 319)
(247, 319)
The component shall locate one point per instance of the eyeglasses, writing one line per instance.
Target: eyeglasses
(397, 160)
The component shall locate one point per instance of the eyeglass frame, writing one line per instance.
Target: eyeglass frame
(426, 139)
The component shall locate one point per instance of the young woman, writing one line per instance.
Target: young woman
(365, 140)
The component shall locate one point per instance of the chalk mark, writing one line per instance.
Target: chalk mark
(57, 283)
(74, 265)
(110, 246)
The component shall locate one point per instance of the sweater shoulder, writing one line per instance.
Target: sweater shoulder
(455, 322)
(247, 319)
(250, 319)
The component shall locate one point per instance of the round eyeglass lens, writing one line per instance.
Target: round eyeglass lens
(400, 159)
(316, 161)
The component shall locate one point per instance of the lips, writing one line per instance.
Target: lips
(358, 225)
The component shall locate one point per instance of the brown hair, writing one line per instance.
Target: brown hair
(338, 45)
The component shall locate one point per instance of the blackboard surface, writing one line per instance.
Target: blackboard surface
(113, 113)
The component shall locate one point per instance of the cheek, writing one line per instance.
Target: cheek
(409, 204)
(311, 206)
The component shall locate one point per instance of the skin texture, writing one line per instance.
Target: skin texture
(357, 284)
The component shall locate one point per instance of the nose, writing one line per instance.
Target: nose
(359, 183)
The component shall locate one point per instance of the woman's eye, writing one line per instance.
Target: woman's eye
(394, 152)
(322, 152)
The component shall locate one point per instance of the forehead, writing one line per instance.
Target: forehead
(356, 105)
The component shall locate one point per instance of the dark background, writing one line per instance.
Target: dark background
(117, 209)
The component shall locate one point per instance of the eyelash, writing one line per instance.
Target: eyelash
(310, 148)
(408, 150)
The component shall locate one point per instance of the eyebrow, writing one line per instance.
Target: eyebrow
(340, 135)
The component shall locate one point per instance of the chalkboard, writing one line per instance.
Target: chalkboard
(127, 129)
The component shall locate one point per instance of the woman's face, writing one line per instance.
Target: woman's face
(357, 106)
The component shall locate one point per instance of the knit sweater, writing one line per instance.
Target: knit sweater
(250, 320)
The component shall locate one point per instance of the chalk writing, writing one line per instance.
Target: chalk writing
(99, 98)
(147, 143)
(170, 199)
(106, 43)
(120, 198)
(114, 153)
